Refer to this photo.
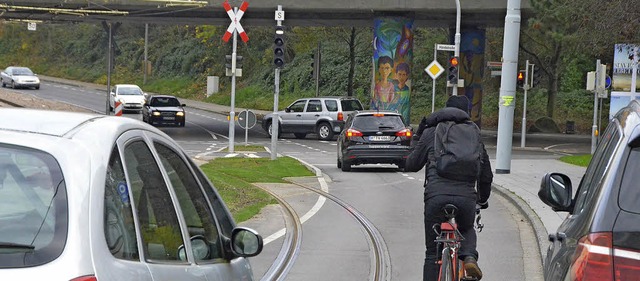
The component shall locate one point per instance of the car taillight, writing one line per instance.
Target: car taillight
(404, 133)
(85, 278)
(626, 264)
(340, 116)
(593, 259)
(353, 133)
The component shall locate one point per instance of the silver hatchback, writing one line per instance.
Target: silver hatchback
(94, 197)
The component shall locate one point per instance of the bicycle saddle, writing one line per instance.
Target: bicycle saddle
(449, 210)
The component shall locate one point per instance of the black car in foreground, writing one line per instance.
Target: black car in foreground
(600, 237)
(163, 110)
(371, 137)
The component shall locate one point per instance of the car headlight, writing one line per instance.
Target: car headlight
(179, 113)
(156, 113)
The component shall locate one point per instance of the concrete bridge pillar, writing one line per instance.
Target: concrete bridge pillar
(392, 64)
(471, 69)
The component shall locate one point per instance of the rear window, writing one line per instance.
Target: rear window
(371, 122)
(350, 105)
(629, 191)
(33, 207)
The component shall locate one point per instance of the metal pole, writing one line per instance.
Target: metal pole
(594, 128)
(456, 42)
(232, 113)
(316, 65)
(634, 74)
(274, 120)
(246, 127)
(146, 39)
(108, 111)
(433, 87)
(523, 134)
(508, 87)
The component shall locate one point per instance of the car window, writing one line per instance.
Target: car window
(298, 106)
(350, 105)
(597, 167)
(130, 91)
(33, 207)
(225, 221)
(119, 226)
(194, 204)
(165, 102)
(331, 105)
(314, 106)
(158, 222)
(374, 123)
(629, 191)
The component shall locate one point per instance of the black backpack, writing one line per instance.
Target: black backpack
(458, 150)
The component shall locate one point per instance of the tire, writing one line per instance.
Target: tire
(324, 131)
(38, 87)
(339, 163)
(3, 84)
(446, 269)
(300, 135)
(401, 165)
(269, 130)
(345, 166)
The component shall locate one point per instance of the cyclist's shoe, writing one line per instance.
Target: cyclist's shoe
(471, 266)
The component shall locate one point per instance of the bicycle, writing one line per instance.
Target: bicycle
(449, 239)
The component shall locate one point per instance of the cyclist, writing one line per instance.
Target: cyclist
(440, 191)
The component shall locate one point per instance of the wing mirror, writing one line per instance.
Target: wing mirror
(555, 191)
(246, 242)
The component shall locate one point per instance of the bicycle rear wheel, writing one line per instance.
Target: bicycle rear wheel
(447, 271)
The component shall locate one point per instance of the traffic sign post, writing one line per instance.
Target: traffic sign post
(234, 28)
(274, 121)
(246, 120)
(434, 69)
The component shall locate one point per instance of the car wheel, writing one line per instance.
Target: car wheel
(324, 131)
(38, 87)
(401, 165)
(3, 84)
(339, 163)
(182, 124)
(269, 128)
(345, 166)
(300, 135)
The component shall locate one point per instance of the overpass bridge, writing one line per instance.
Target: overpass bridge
(426, 13)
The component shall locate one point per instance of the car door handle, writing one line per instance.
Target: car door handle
(298, 115)
(317, 115)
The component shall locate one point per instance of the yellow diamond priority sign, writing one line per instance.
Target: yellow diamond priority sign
(434, 69)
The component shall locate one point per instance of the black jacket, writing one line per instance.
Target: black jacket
(422, 151)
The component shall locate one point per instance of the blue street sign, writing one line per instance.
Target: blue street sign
(607, 82)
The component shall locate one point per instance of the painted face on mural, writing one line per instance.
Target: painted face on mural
(402, 77)
(385, 70)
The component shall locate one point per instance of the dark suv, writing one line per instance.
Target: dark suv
(600, 238)
(371, 137)
(323, 116)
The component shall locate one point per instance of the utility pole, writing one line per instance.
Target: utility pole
(508, 86)
(275, 119)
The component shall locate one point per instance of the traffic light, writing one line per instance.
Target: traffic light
(521, 79)
(536, 76)
(452, 76)
(228, 62)
(278, 47)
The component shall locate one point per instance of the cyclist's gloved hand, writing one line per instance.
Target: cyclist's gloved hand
(483, 205)
(422, 126)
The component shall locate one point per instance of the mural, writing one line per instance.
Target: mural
(472, 44)
(393, 61)
(622, 78)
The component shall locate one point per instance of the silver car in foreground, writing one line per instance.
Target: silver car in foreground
(94, 197)
(19, 77)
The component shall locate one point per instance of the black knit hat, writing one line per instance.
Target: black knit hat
(460, 102)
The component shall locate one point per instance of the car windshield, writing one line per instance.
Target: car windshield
(33, 207)
(22, 71)
(129, 91)
(351, 105)
(374, 123)
(165, 102)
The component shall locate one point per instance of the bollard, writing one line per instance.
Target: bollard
(118, 109)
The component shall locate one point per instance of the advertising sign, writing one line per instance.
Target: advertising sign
(624, 58)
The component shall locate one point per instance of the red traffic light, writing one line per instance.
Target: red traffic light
(453, 61)
(520, 76)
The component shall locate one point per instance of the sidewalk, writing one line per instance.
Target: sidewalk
(520, 186)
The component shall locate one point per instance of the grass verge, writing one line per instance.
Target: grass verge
(234, 178)
(580, 160)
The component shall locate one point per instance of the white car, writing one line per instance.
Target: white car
(93, 197)
(19, 77)
(130, 96)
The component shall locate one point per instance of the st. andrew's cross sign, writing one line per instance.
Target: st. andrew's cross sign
(235, 21)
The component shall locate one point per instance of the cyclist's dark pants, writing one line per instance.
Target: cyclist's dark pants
(464, 217)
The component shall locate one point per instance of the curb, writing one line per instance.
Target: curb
(533, 219)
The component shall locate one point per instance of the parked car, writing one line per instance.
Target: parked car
(323, 116)
(93, 197)
(371, 137)
(131, 97)
(599, 239)
(163, 110)
(19, 77)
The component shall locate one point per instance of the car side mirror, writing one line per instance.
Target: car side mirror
(184, 105)
(555, 191)
(287, 110)
(200, 246)
(246, 242)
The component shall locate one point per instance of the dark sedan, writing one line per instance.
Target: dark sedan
(162, 110)
(371, 137)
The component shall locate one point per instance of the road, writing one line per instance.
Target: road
(332, 248)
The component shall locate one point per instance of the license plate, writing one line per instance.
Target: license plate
(169, 118)
(379, 138)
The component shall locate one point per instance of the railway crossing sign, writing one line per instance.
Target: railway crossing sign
(235, 21)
